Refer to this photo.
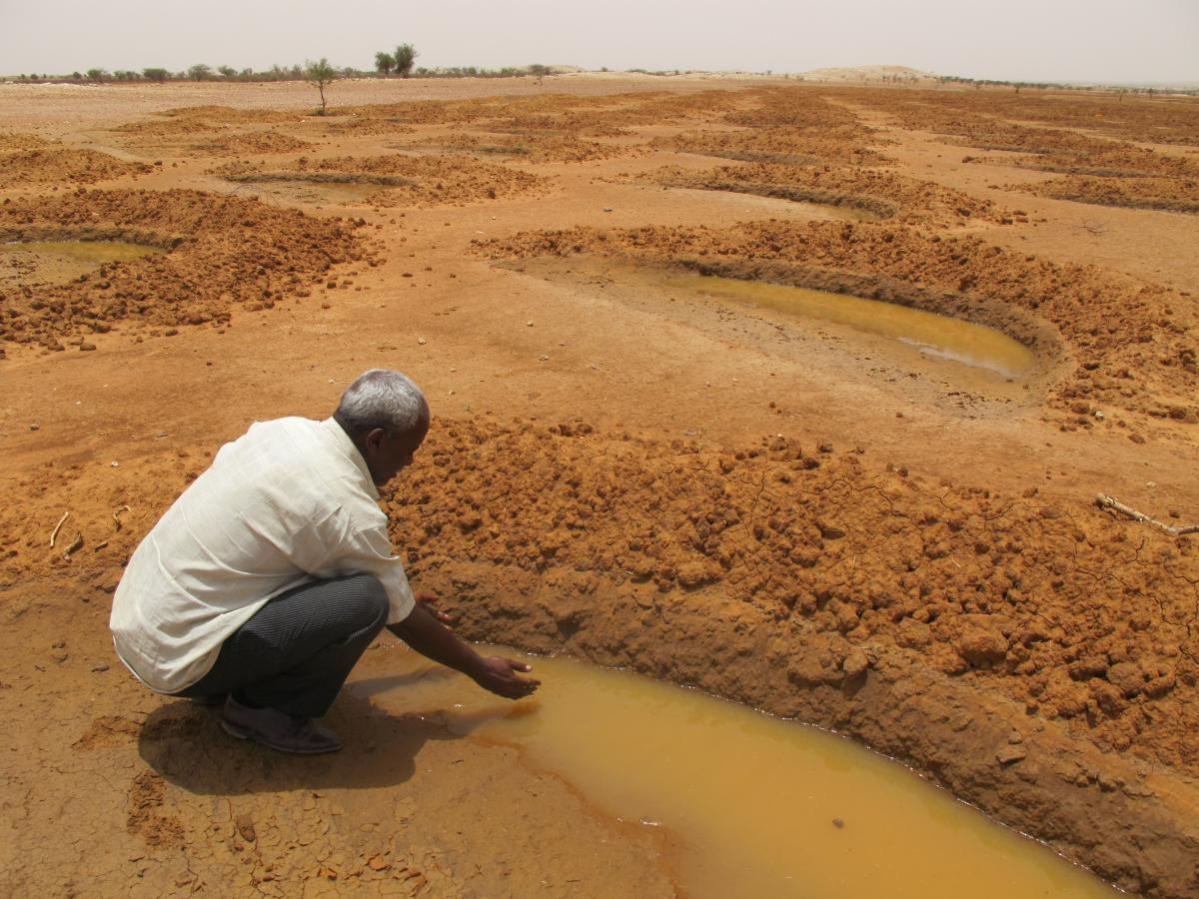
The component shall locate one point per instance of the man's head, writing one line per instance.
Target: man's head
(386, 416)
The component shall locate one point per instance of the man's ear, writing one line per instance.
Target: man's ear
(374, 438)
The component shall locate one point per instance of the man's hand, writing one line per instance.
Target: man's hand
(499, 676)
(425, 634)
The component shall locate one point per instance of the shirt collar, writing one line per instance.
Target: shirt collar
(346, 446)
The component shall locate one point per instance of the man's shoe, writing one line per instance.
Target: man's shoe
(278, 730)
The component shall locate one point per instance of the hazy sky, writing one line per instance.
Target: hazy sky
(1102, 40)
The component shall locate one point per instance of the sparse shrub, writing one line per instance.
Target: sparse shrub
(199, 72)
(319, 75)
(156, 75)
(96, 75)
(227, 71)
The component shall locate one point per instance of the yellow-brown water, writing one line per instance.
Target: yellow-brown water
(62, 260)
(759, 807)
(937, 335)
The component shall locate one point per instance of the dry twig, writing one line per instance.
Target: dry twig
(76, 545)
(1104, 501)
(57, 528)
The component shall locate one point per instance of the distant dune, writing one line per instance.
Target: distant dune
(868, 73)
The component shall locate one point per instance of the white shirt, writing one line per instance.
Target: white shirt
(290, 501)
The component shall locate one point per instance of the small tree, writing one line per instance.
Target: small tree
(384, 63)
(320, 74)
(97, 74)
(158, 75)
(403, 59)
(199, 72)
(227, 71)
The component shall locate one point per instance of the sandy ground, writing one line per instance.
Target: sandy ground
(786, 513)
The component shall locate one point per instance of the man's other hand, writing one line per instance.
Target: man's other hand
(499, 676)
(429, 601)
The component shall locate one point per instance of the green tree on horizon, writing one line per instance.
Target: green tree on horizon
(384, 63)
(403, 59)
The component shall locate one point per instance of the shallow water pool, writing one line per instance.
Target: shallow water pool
(934, 335)
(756, 806)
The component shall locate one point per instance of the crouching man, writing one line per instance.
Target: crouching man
(268, 578)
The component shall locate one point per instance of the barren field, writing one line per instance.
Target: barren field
(818, 522)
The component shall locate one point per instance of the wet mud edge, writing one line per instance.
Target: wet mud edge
(1132, 823)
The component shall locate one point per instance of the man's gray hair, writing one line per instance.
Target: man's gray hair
(381, 399)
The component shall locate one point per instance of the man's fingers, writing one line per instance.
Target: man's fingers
(519, 666)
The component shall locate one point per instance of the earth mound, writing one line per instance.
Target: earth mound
(1132, 343)
(884, 194)
(53, 163)
(1025, 596)
(1169, 194)
(538, 147)
(252, 143)
(224, 252)
(420, 180)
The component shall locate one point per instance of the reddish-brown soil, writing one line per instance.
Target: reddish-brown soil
(251, 143)
(538, 147)
(819, 523)
(1170, 194)
(54, 164)
(224, 252)
(410, 180)
(883, 194)
(1131, 344)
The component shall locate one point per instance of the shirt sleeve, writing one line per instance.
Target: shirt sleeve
(359, 548)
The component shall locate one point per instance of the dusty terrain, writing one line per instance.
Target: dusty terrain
(819, 523)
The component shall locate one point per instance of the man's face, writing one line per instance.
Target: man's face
(389, 454)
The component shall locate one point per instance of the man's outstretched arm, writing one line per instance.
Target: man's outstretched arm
(428, 636)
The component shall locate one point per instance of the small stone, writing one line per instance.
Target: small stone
(855, 663)
(35, 427)
(421, 341)
(86, 347)
(245, 827)
(1009, 755)
(1127, 678)
(838, 823)
(96, 669)
(528, 324)
(980, 644)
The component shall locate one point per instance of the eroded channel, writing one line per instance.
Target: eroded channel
(756, 806)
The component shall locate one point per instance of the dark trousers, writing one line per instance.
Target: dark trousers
(298, 649)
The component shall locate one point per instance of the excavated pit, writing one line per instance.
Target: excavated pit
(751, 805)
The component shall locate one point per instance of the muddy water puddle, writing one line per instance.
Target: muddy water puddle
(350, 193)
(755, 806)
(62, 260)
(938, 336)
